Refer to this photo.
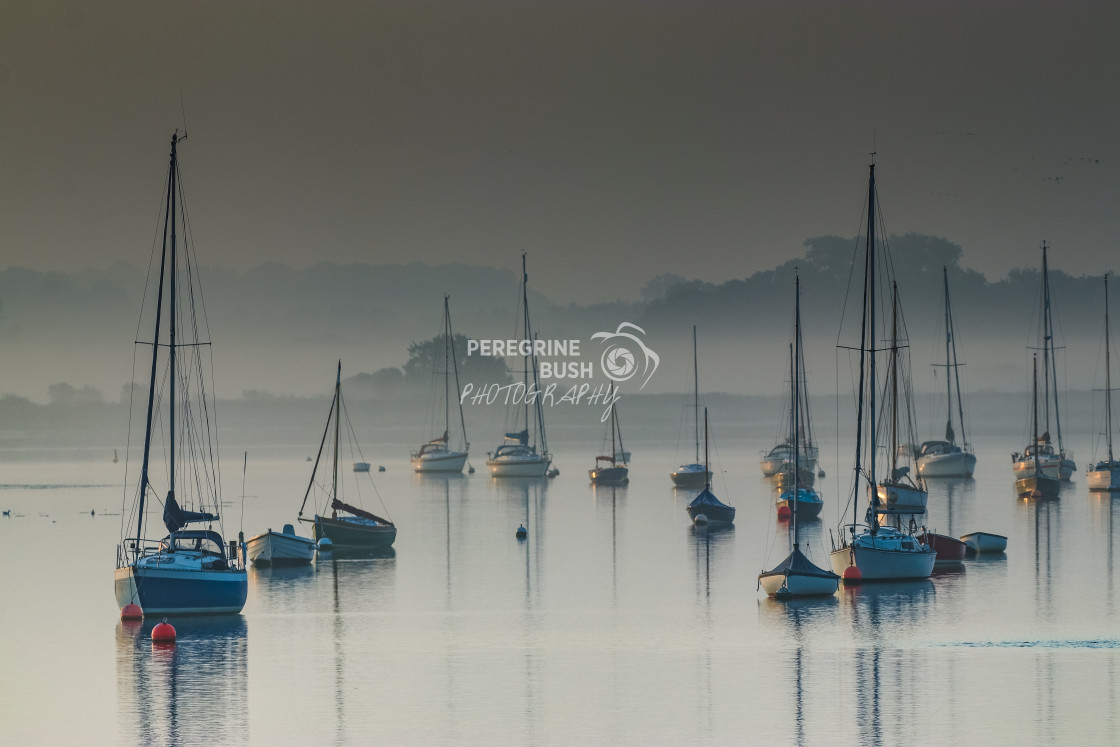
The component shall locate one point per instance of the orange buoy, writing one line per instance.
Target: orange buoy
(131, 612)
(164, 632)
(784, 513)
(852, 575)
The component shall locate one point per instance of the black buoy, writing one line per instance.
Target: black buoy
(522, 532)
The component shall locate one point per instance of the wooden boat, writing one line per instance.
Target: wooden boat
(706, 508)
(797, 576)
(1105, 474)
(984, 542)
(439, 454)
(871, 551)
(524, 453)
(189, 570)
(694, 475)
(947, 458)
(347, 526)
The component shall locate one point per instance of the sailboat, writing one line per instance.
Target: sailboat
(778, 461)
(611, 469)
(947, 458)
(1038, 483)
(188, 570)
(706, 508)
(1105, 474)
(693, 475)
(517, 455)
(437, 455)
(348, 526)
(1057, 463)
(870, 551)
(798, 496)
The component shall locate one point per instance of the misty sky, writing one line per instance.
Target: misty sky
(611, 140)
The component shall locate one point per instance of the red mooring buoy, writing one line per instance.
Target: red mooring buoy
(131, 612)
(852, 575)
(164, 632)
(784, 513)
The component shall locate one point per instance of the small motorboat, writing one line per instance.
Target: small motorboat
(950, 550)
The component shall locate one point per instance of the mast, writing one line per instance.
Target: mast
(446, 373)
(871, 335)
(171, 324)
(337, 428)
(1107, 376)
(526, 336)
(1034, 414)
(707, 472)
(696, 397)
(169, 210)
(796, 404)
(1049, 359)
(455, 366)
(614, 417)
(894, 379)
(948, 372)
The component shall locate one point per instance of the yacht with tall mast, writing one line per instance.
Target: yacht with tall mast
(524, 452)
(1050, 453)
(947, 458)
(1039, 482)
(440, 454)
(1105, 474)
(693, 475)
(868, 550)
(188, 570)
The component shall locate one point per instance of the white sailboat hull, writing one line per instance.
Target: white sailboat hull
(518, 467)
(957, 464)
(277, 548)
(1104, 478)
(901, 499)
(797, 585)
(1050, 467)
(450, 461)
(883, 560)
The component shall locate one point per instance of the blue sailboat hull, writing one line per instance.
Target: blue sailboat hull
(180, 592)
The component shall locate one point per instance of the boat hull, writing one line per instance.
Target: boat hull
(451, 461)
(809, 504)
(169, 591)
(1050, 466)
(1104, 477)
(609, 475)
(713, 515)
(691, 476)
(958, 464)
(949, 550)
(537, 467)
(347, 534)
(884, 562)
(1038, 486)
(901, 499)
(277, 548)
(792, 584)
(783, 478)
(984, 542)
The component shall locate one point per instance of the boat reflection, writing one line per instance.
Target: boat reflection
(194, 691)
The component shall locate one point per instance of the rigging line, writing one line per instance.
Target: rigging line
(356, 448)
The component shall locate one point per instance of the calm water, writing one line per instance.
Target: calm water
(614, 622)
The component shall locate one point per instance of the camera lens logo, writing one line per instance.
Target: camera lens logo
(620, 361)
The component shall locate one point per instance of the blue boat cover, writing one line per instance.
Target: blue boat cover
(707, 498)
(797, 564)
(522, 437)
